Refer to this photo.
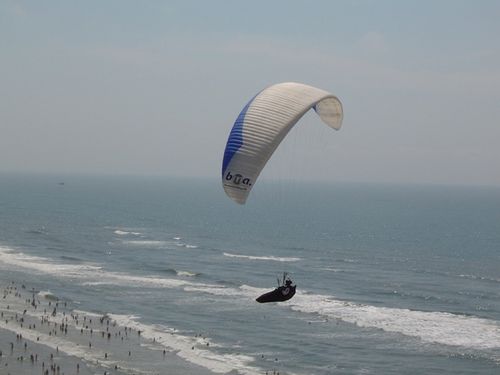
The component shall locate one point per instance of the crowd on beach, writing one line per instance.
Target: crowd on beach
(25, 310)
(55, 321)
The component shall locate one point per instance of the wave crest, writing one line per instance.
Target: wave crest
(264, 257)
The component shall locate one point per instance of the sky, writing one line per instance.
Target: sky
(154, 87)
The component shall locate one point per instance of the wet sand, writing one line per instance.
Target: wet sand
(40, 334)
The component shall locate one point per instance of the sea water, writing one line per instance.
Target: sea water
(390, 279)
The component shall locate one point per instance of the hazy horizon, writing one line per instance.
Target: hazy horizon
(152, 89)
(285, 185)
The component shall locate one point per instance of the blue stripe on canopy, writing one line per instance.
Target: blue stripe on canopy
(235, 140)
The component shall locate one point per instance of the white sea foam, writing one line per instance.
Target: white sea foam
(47, 295)
(156, 243)
(132, 280)
(186, 273)
(124, 233)
(214, 290)
(348, 260)
(10, 257)
(269, 257)
(192, 349)
(331, 269)
(246, 292)
(187, 246)
(87, 313)
(93, 275)
(96, 283)
(90, 274)
(431, 327)
(483, 278)
(252, 291)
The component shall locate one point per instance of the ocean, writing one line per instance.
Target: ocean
(391, 279)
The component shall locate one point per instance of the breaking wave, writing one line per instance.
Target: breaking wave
(450, 329)
(268, 257)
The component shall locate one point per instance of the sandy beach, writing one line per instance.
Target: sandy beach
(40, 334)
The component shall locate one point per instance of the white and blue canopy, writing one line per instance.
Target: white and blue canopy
(262, 125)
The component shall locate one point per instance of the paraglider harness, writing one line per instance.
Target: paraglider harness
(283, 292)
(286, 285)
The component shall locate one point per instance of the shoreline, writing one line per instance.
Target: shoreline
(40, 334)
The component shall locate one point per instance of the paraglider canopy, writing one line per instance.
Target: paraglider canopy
(262, 125)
